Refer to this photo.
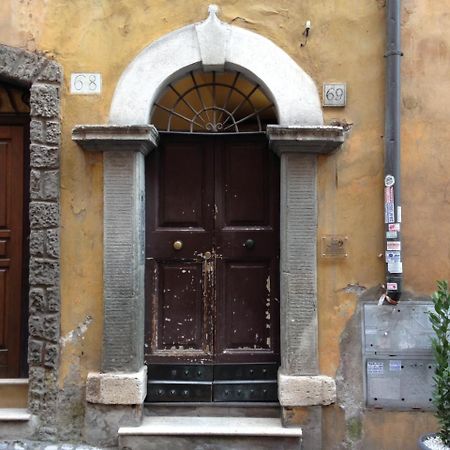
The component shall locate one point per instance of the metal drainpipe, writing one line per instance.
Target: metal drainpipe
(392, 185)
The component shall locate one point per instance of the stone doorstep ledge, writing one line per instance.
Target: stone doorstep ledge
(306, 390)
(210, 426)
(14, 415)
(13, 381)
(98, 138)
(117, 388)
(320, 139)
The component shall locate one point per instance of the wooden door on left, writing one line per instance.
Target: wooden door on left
(11, 247)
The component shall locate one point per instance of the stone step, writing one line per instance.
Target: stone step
(210, 433)
(14, 415)
(213, 409)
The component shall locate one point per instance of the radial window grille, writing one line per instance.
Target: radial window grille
(213, 102)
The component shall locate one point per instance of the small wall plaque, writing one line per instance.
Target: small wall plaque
(334, 246)
(334, 94)
(85, 83)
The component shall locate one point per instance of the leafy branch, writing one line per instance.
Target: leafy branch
(440, 321)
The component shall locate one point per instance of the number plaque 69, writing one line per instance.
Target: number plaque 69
(334, 94)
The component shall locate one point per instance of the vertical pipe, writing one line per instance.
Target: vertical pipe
(392, 181)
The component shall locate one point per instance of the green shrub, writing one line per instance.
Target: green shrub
(440, 321)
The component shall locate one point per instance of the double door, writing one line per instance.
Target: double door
(212, 268)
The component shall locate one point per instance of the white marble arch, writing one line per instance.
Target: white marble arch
(215, 45)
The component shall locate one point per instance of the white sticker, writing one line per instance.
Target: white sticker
(394, 227)
(399, 213)
(392, 286)
(391, 235)
(375, 368)
(371, 331)
(395, 267)
(85, 83)
(393, 245)
(389, 213)
(393, 256)
(395, 365)
(389, 180)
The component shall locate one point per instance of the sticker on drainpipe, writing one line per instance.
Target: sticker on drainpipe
(389, 180)
(393, 245)
(394, 227)
(395, 267)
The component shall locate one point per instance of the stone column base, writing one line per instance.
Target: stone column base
(117, 388)
(306, 390)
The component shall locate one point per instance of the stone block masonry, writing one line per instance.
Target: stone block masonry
(44, 78)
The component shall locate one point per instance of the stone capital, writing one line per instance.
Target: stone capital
(138, 138)
(320, 139)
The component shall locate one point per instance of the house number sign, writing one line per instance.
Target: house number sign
(334, 94)
(85, 83)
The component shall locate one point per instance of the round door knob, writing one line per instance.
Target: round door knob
(178, 245)
(207, 255)
(249, 243)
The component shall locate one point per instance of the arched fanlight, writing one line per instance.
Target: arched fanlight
(213, 102)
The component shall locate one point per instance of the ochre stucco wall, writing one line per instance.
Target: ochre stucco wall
(346, 44)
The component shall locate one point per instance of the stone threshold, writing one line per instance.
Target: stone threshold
(13, 381)
(14, 415)
(210, 426)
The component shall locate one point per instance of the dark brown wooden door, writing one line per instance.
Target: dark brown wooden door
(11, 245)
(215, 300)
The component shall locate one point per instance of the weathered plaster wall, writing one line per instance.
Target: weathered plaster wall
(346, 44)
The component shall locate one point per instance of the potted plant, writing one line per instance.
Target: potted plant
(440, 321)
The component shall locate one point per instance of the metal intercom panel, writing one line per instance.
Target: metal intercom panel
(398, 383)
(397, 356)
(402, 329)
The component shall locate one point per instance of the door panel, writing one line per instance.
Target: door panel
(180, 205)
(214, 299)
(11, 235)
(247, 242)
(3, 179)
(243, 184)
(244, 315)
(181, 201)
(181, 312)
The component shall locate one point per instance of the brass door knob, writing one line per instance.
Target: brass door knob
(177, 245)
(207, 255)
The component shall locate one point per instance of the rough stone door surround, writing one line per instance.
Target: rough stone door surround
(297, 139)
(43, 77)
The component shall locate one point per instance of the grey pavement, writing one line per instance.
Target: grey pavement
(39, 445)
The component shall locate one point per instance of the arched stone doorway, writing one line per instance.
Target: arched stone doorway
(297, 139)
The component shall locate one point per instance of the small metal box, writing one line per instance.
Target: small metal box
(334, 246)
(397, 356)
(398, 383)
(402, 329)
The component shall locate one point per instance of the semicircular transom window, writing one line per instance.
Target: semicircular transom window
(213, 102)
